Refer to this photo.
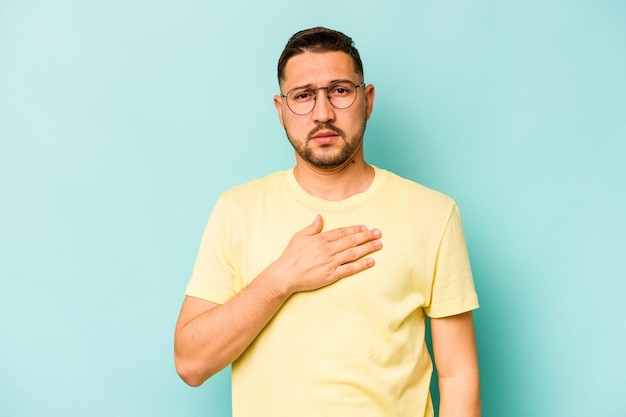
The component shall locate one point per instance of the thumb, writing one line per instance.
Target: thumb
(315, 227)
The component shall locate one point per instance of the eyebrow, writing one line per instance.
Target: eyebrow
(310, 86)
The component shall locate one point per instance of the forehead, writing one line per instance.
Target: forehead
(318, 69)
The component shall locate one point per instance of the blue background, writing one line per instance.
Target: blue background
(121, 121)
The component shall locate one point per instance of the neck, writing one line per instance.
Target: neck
(336, 184)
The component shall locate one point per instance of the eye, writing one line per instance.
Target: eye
(340, 90)
(302, 95)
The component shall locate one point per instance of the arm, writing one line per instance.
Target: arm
(209, 336)
(456, 359)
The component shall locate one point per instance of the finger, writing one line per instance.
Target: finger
(314, 228)
(356, 239)
(352, 268)
(342, 232)
(355, 253)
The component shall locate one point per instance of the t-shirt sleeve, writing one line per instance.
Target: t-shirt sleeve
(453, 289)
(214, 276)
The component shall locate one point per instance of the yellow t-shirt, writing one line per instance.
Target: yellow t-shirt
(354, 348)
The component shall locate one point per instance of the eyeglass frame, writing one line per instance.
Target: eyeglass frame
(314, 90)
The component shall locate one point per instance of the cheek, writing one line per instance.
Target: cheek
(294, 126)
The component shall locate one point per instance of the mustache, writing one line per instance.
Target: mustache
(327, 126)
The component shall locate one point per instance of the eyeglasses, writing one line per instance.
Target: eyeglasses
(341, 94)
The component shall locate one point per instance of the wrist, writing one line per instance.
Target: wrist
(272, 281)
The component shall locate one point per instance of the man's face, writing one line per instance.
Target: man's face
(327, 137)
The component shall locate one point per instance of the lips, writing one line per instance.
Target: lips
(325, 137)
(325, 133)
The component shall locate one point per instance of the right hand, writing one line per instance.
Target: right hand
(314, 259)
(210, 336)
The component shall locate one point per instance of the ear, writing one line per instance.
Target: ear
(369, 99)
(278, 104)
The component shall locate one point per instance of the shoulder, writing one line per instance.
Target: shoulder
(255, 188)
(414, 192)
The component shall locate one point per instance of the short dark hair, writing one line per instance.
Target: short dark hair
(318, 39)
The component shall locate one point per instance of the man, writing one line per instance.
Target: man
(325, 320)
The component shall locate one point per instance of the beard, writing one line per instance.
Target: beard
(325, 157)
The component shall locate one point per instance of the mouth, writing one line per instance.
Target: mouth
(325, 136)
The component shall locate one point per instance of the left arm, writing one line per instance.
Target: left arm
(456, 360)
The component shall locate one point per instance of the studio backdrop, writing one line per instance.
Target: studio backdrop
(122, 121)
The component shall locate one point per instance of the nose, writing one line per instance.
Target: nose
(323, 111)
